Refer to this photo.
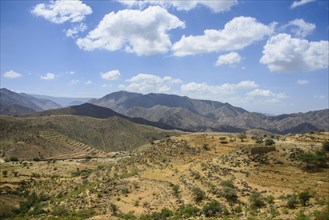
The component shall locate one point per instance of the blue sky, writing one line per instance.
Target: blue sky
(264, 56)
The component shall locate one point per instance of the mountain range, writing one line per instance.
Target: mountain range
(169, 112)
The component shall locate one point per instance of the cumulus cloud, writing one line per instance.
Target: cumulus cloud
(300, 28)
(214, 5)
(141, 32)
(12, 74)
(300, 3)
(110, 75)
(283, 53)
(265, 93)
(61, 11)
(228, 59)
(75, 30)
(205, 90)
(302, 82)
(48, 76)
(146, 83)
(237, 34)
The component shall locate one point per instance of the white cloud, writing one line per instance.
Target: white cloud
(300, 28)
(300, 3)
(88, 82)
(146, 83)
(61, 11)
(48, 76)
(266, 93)
(110, 75)
(320, 97)
(302, 82)
(214, 5)
(141, 32)
(282, 53)
(73, 82)
(228, 59)
(205, 90)
(12, 74)
(74, 31)
(260, 95)
(237, 34)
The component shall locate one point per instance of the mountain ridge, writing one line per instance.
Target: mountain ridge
(205, 115)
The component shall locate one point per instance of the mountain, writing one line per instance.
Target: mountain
(90, 110)
(63, 101)
(203, 115)
(58, 135)
(19, 103)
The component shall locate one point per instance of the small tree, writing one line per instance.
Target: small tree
(269, 142)
(316, 159)
(304, 197)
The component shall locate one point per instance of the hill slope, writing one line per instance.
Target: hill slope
(51, 136)
(95, 111)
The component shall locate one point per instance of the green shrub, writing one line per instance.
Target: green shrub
(13, 159)
(36, 159)
(212, 209)
(188, 211)
(325, 145)
(198, 194)
(304, 197)
(292, 201)
(256, 200)
(269, 142)
(230, 194)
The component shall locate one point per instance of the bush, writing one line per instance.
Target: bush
(230, 194)
(36, 159)
(212, 209)
(257, 200)
(198, 194)
(13, 159)
(304, 197)
(292, 201)
(325, 146)
(269, 142)
(317, 159)
(188, 211)
(227, 183)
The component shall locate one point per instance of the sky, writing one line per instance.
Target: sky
(263, 56)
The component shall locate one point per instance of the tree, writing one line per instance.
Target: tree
(269, 142)
(317, 159)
